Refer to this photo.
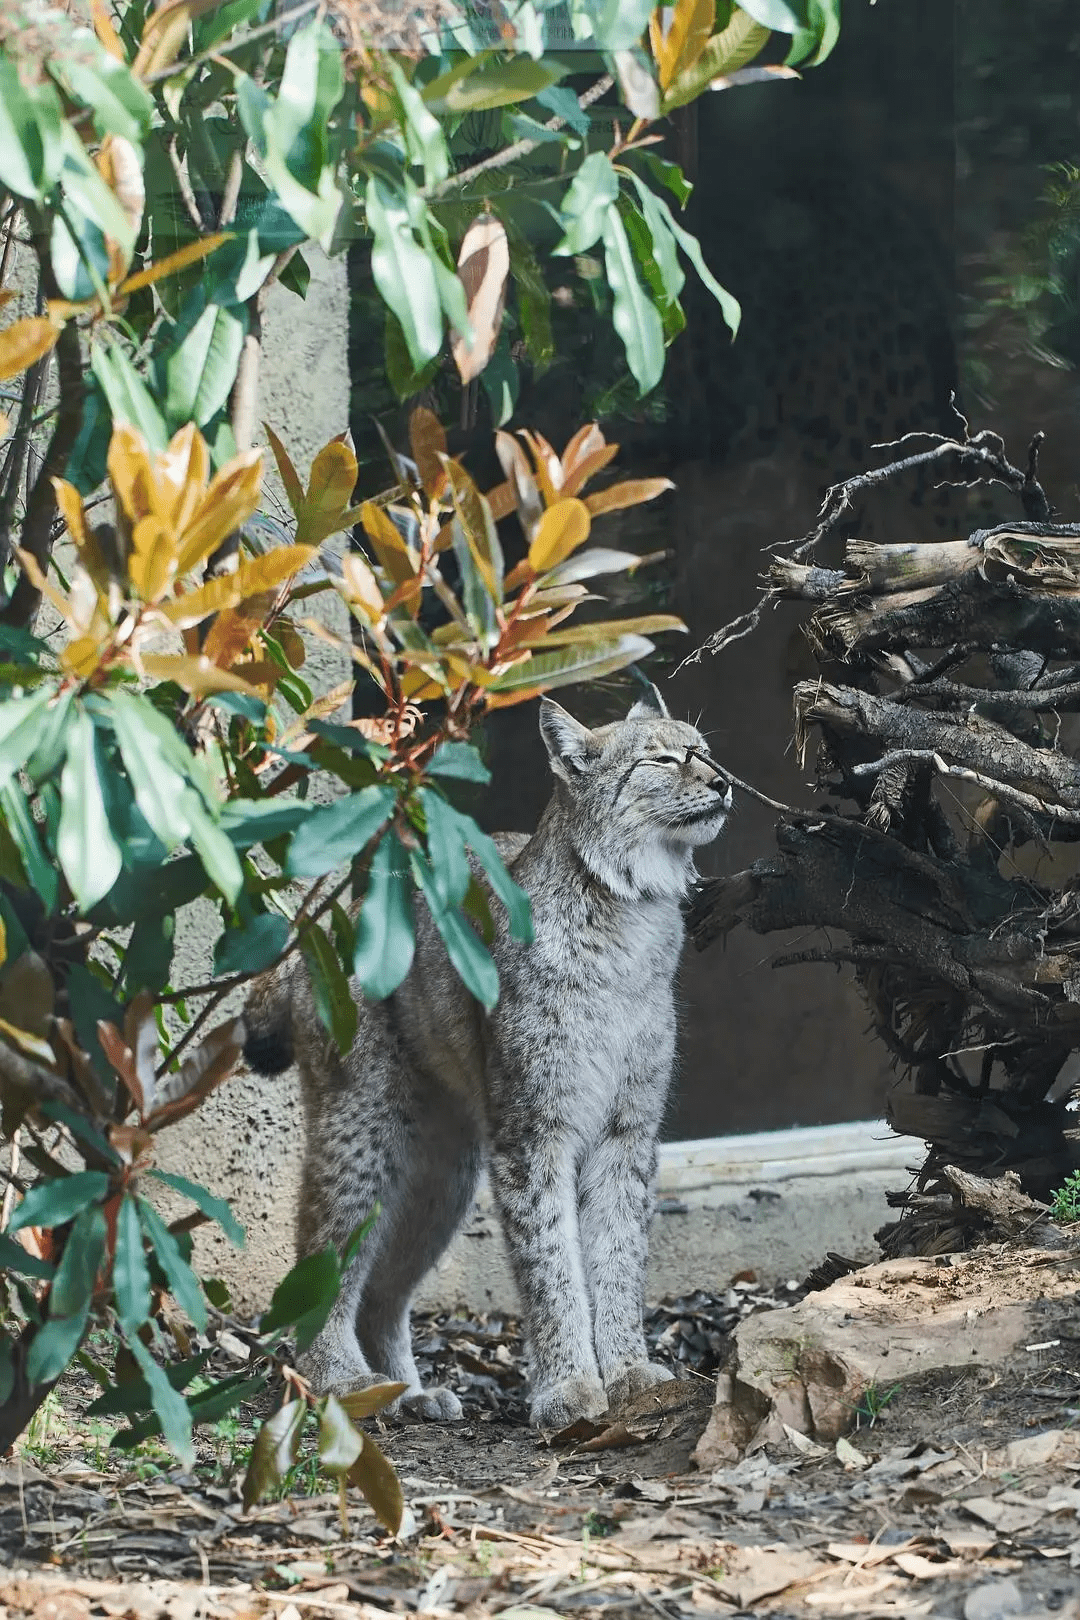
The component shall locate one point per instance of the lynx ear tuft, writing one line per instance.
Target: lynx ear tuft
(650, 706)
(571, 746)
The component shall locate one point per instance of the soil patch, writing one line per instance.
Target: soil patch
(956, 1494)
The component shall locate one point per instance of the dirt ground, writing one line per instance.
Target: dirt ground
(957, 1494)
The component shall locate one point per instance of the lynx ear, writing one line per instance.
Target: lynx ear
(650, 707)
(570, 745)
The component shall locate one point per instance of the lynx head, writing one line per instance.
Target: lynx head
(638, 795)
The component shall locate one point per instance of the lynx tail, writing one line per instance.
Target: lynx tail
(268, 1044)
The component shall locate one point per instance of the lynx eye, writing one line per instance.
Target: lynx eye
(666, 759)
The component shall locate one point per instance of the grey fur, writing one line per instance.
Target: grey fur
(561, 1088)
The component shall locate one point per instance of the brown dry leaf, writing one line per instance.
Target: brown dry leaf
(753, 1573)
(483, 266)
(862, 1553)
(428, 442)
(921, 1568)
(172, 262)
(24, 342)
(196, 675)
(122, 1058)
(1006, 1517)
(362, 1403)
(631, 492)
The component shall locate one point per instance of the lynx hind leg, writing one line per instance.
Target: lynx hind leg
(352, 1157)
(430, 1201)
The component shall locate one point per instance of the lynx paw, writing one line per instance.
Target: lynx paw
(435, 1405)
(563, 1402)
(633, 1379)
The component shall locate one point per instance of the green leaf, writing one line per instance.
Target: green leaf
(150, 952)
(470, 957)
(385, 938)
(501, 382)
(304, 1297)
(200, 372)
(24, 168)
(424, 138)
(90, 1001)
(170, 1406)
(131, 1274)
(254, 821)
(334, 834)
(635, 317)
(216, 1208)
(446, 848)
(782, 15)
(340, 1443)
(617, 24)
(815, 42)
(83, 186)
(51, 1203)
(214, 847)
(133, 1394)
(13, 1257)
(692, 248)
(726, 52)
(120, 104)
(404, 273)
(668, 175)
(252, 948)
(88, 853)
(21, 722)
(401, 374)
(276, 1448)
(549, 670)
(183, 1284)
(128, 397)
(20, 823)
(459, 760)
(206, 1406)
(587, 204)
(486, 851)
(490, 81)
(70, 1298)
(150, 761)
(563, 103)
(330, 988)
(654, 252)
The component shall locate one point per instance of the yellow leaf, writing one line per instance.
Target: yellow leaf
(587, 467)
(152, 562)
(40, 583)
(476, 520)
(483, 266)
(549, 473)
(191, 254)
(3, 941)
(389, 546)
(501, 501)
(71, 510)
(428, 442)
(686, 38)
(82, 656)
(229, 590)
(563, 528)
(232, 632)
(60, 310)
(32, 1045)
(180, 475)
(629, 493)
(605, 629)
(196, 675)
(294, 489)
(130, 472)
(329, 491)
(419, 687)
(103, 28)
(165, 33)
(229, 501)
(361, 589)
(24, 342)
(586, 442)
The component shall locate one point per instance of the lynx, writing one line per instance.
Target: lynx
(560, 1089)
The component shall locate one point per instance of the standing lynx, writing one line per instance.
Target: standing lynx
(561, 1087)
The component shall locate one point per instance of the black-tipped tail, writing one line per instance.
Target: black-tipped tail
(268, 1041)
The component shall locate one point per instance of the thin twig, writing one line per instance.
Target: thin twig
(1000, 790)
(520, 149)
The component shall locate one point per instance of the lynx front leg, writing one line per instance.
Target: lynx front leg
(533, 1175)
(615, 1194)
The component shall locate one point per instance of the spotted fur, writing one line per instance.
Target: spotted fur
(560, 1089)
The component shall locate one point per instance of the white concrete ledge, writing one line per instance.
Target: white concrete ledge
(774, 1202)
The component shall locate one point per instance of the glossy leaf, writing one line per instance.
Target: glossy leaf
(51, 1203)
(561, 530)
(478, 84)
(25, 342)
(546, 671)
(329, 988)
(469, 955)
(217, 1209)
(182, 1281)
(169, 1404)
(458, 760)
(587, 204)
(478, 526)
(148, 747)
(725, 53)
(363, 1403)
(729, 305)
(131, 1274)
(86, 848)
(200, 371)
(254, 821)
(686, 37)
(617, 24)
(304, 1297)
(334, 834)
(403, 272)
(483, 266)
(21, 722)
(340, 1443)
(276, 1448)
(631, 492)
(70, 1298)
(385, 937)
(424, 137)
(635, 316)
(128, 397)
(373, 1475)
(254, 947)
